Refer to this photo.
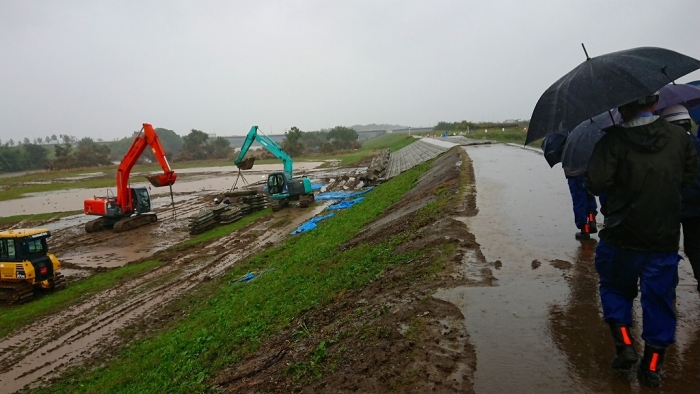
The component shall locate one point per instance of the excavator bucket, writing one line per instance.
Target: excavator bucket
(246, 164)
(162, 179)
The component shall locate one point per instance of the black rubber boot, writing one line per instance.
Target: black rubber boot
(585, 233)
(592, 225)
(649, 369)
(626, 356)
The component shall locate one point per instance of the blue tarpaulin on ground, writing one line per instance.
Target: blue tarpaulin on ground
(342, 195)
(316, 186)
(311, 224)
(346, 204)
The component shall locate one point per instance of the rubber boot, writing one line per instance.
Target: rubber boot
(626, 356)
(649, 369)
(592, 225)
(585, 232)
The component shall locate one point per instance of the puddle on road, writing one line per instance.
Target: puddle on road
(540, 329)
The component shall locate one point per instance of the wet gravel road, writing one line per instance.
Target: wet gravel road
(540, 330)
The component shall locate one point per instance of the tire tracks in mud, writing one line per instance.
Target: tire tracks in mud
(43, 349)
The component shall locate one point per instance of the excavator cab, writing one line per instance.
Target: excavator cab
(25, 263)
(141, 200)
(277, 183)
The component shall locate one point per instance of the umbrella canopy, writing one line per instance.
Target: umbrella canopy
(553, 147)
(581, 141)
(687, 95)
(605, 82)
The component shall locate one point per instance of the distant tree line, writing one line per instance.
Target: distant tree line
(339, 138)
(69, 152)
(464, 125)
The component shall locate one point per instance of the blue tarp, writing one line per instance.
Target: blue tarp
(316, 186)
(249, 277)
(311, 224)
(346, 204)
(342, 195)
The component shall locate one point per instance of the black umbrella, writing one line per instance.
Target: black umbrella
(581, 141)
(553, 147)
(605, 82)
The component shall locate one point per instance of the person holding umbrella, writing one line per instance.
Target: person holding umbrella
(641, 166)
(690, 195)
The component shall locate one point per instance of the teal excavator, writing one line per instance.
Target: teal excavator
(281, 186)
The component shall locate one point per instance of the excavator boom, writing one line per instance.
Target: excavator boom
(115, 211)
(269, 144)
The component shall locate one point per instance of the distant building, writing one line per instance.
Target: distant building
(212, 135)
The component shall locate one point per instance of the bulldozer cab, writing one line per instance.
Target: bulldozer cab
(18, 247)
(141, 200)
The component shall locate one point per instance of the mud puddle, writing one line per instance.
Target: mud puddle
(198, 180)
(540, 329)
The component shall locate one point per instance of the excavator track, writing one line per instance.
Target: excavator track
(98, 224)
(277, 205)
(129, 223)
(16, 292)
(305, 200)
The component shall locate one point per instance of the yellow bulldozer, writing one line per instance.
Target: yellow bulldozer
(26, 264)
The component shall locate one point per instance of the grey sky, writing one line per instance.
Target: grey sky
(101, 68)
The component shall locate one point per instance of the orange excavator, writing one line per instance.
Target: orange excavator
(131, 206)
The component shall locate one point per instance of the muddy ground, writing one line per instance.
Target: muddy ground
(89, 330)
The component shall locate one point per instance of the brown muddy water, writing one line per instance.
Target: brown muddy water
(540, 329)
(197, 180)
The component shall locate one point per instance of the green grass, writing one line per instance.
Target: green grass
(512, 135)
(304, 273)
(392, 141)
(218, 232)
(40, 217)
(12, 317)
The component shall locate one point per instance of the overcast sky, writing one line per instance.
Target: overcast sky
(101, 68)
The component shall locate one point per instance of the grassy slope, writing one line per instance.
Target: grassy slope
(513, 135)
(305, 272)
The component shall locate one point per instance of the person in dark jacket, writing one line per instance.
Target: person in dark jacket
(585, 207)
(690, 195)
(641, 165)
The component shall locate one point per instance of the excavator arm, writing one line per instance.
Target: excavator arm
(269, 144)
(147, 137)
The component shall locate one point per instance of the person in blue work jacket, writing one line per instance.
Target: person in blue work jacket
(690, 195)
(641, 165)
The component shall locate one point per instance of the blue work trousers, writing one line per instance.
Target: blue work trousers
(584, 202)
(620, 270)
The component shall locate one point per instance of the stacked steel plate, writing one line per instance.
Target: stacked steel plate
(253, 203)
(208, 218)
(202, 221)
(230, 214)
